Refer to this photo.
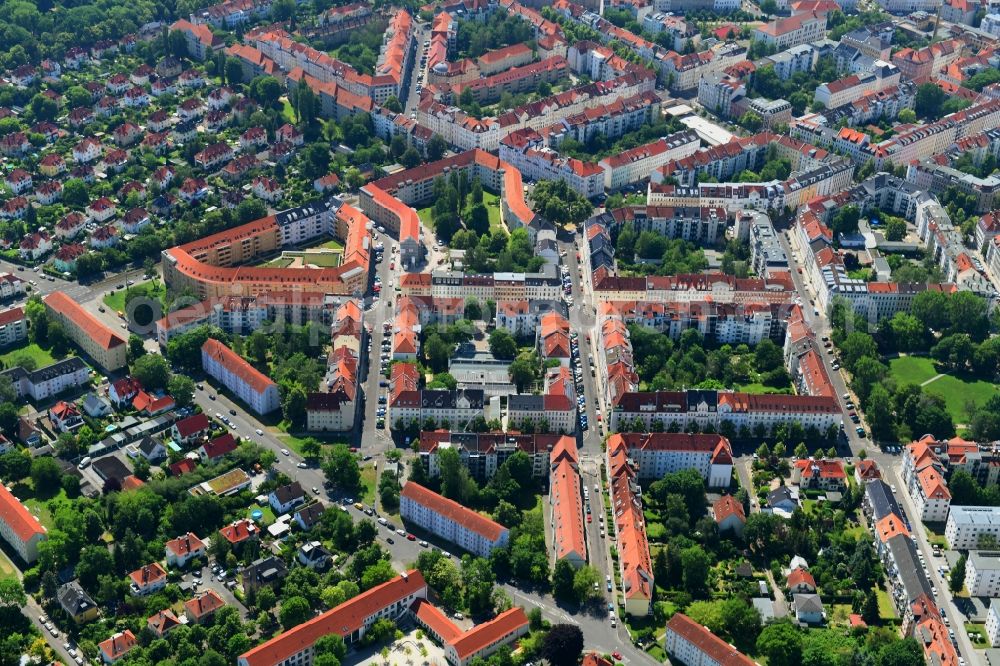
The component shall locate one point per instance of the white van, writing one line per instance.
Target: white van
(383, 522)
(83, 463)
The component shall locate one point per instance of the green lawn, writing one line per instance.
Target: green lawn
(39, 507)
(369, 481)
(425, 216)
(7, 569)
(886, 610)
(280, 262)
(912, 369)
(332, 244)
(287, 112)
(41, 357)
(322, 259)
(152, 289)
(955, 391)
(758, 388)
(981, 643)
(492, 202)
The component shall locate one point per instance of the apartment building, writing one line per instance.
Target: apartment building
(993, 623)
(569, 540)
(982, 574)
(13, 327)
(102, 344)
(966, 524)
(249, 384)
(350, 620)
(450, 520)
(634, 563)
(690, 643)
(639, 163)
(516, 80)
(924, 474)
(213, 267)
(783, 33)
(847, 90)
(483, 453)
(19, 528)
(525, 150)
(658, 454)
(486, 638)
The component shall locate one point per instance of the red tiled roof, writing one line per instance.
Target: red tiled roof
(236, 365)
(17, 517)
(73, 311)
(119, 644)
(468, 518)
(431, 616)
(801, 576)
(185, 545)
(204, 604)
(343, 620)
(488, 633)
(220, 446)
(719, 651)
(727, 506)
(192, 424)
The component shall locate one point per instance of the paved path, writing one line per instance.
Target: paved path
(935, 377)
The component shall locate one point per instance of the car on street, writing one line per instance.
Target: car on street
(259, 431)
(389, 540)
(617, 655)
(232, 412)
(285, 452)
(401, 533)
(423, 544)
(302, 465)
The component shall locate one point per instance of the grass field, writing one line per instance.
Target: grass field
(280, 262)
(912, 369)
(886, 610)
(369, 481)
(492, 202)
(7, 569)
(41, 357)
(153, 289)
(39, 507)
(759, 389)
(322, 259)
(955, 391)
(332, 244)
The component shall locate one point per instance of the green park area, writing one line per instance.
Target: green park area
(956, 392)
(39, 356)
(152, 289)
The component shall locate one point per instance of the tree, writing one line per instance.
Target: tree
(586, 583)
(45, 475)
(377, 574)
(8, 419)
(11, 593)
(907, 116)
(75, 193)
(181, 388)
(410, 158)
(741, 621)
(845, 220)
(522, 373)
(266, 90)
(956, 580)
(341, 468)
(879, 411)
(801, 451)
(781, 643)
(562, 645)
(502, 344)
(929, 99)
(895, 229)
(234, 71)
(293, 401)
(695, 565)
(15, 465)
(315, 160)
(906, 652)
(294, 611)
(436, 147)
(151, 371)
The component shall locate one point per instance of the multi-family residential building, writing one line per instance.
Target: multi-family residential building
(13, 327)
(690, 643)
(483, 453)
(569, 540)
(634, 562)
(783, 33)
(966, 524)
(993, 623)
(350, 620)
(451, 521)
(19, 528)
(98, 341)
(248, 383)
(982, 574)
(923, 474)
(64, 375)
(657, 454)
(639, 163)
